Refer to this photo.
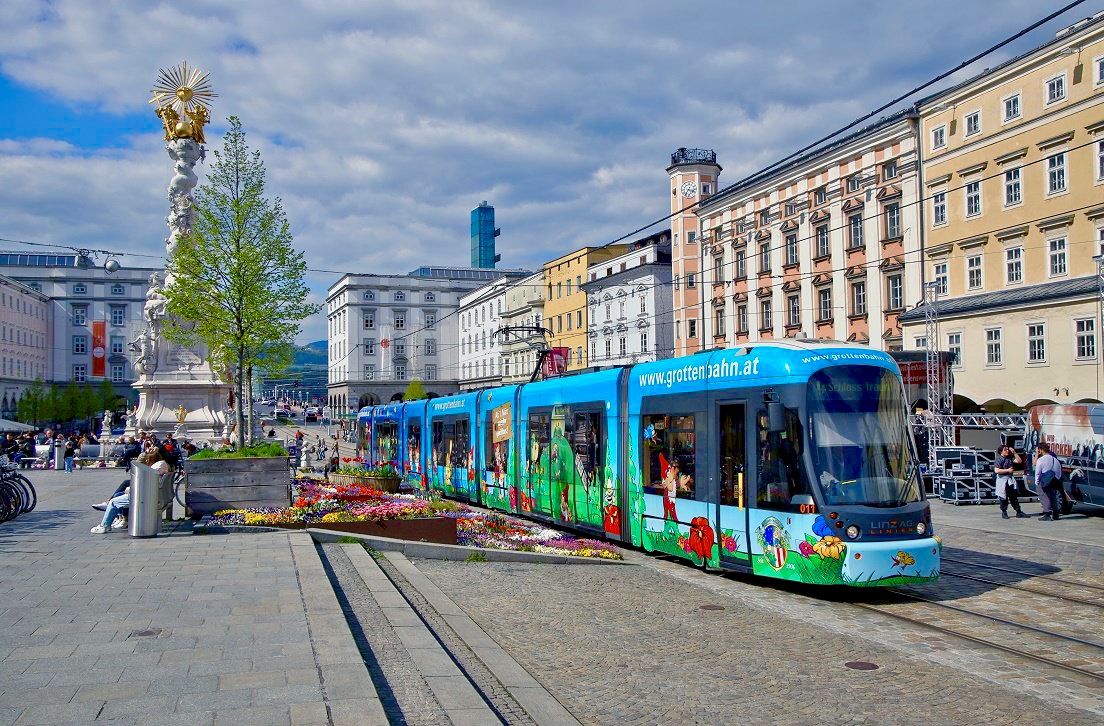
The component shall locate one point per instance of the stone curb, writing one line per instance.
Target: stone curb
(351, 697)
(541, 705)
(455, 553)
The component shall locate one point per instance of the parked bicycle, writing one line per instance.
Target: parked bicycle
(17, 494)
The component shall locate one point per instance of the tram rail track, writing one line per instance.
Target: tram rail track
(1027, 574)
(1022, 588)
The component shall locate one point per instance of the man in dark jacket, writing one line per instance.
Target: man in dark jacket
(132, 450)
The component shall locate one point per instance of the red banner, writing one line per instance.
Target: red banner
(555, 363)
(99, 347)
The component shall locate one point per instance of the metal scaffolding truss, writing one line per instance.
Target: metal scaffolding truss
(940, 430)
(973, 420)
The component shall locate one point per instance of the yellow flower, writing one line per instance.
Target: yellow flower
(830, 547)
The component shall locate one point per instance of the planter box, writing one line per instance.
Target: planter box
(439, 530)
(215, 484)
(388, 484)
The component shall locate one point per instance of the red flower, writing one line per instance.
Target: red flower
(346, 459)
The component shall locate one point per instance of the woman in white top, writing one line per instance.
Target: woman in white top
(151, 458)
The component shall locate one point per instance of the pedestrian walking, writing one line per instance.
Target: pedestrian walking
(1004, 468)
(1048, 481)
(70, 454)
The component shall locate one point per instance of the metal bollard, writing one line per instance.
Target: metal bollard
(145, 516)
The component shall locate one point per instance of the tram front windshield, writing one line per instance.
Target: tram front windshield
(859, 438)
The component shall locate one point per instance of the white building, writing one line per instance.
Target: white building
(629, 296)
(24, 341)
(482, 364)
(524, 307)
(90, 309)
(386, 330)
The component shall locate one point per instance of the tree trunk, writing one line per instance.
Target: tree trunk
(239, 410)
(249, 402)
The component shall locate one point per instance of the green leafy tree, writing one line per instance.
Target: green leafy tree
(106, 397)
(237, 283)
(414, 391)
(32, 406)
(52, 405)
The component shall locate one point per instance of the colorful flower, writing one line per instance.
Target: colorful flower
(821, 528)
(805, 548)
(830, 547)
(729, 543)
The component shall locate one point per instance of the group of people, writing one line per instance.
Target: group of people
(23, 450)
(1049, 484)
(162, 455)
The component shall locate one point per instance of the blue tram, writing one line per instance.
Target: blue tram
(789, 459)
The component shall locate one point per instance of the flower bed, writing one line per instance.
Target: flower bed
(318, 503)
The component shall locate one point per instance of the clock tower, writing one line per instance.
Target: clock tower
(694, 174)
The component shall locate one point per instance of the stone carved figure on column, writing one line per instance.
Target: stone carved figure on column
(145, 345)
(156, 307)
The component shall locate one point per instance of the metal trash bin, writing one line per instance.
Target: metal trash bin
(145, 514)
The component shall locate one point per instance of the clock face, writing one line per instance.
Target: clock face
(689, 189)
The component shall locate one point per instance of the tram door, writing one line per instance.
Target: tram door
(732, 515)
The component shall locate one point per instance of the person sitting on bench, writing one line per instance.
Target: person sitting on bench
(120, 503)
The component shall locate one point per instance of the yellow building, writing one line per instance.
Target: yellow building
(1012, 169)
(565, 307)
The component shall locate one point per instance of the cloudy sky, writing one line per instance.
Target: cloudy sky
(383, 124)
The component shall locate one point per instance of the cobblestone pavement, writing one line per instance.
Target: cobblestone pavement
(635, 646)
(178, 629)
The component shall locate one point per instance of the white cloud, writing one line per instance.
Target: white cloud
(382, 125)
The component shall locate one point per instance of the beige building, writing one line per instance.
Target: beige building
(1013, 175)
(524, 307)
(565, 307)
(817, 246)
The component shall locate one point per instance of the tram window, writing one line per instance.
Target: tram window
(387, 443)
(669, 448)
(494, 459)
(414, 444)
(585, 435)
(462, 446)
(451, 444)
(443, 433)
(537, 456)
(782, 473)
(733, 457)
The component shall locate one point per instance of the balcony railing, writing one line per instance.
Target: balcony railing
(691, 156)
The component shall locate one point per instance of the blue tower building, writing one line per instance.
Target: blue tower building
(483, 233)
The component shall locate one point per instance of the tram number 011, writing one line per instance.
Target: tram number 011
(806, 508)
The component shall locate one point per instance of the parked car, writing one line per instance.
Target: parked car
(310, 417)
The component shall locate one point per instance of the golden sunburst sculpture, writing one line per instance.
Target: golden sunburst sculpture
(183, 96)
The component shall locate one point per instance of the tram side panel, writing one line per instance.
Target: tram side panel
(411, 446)
(451, 426)
(495, 449)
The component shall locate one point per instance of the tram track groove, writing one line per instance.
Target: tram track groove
(1014, 586)
(1024, 573)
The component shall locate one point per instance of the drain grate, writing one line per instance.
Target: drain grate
(150, 633)
(711, 607)
(861, 665)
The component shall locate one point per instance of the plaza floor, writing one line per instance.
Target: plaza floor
(270, 628)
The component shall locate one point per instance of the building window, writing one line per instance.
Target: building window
(691, 280)
(430, 346)
(400, 296)
(741, 265)
(1056, 89)
(80, 315)
(370, 372)
(893, 221)
(400, 320)
(1099, 63)
(1013, 265)
(793, 310)
(973, 199)
(400, 371)
(431, 371)
(764, 216)
(719, 322)
(692, 328)
(889, 170)
(765, 322)
(858, 298)
(791, 249)
(369, 295)
(920, 343)
(691, 238)
(430, 320)
(973, 123)
(1057, 249)
(854, 183)
(80, 373)
(400, 347)
(643, 342)
(1012, 107)
(118, 315)
(609, 349)
(954, 347)
(1036, 343)
(369, 321)
(370, 346)
(821, 196)
(1085, 332)
(118, 344)
(855, 231)
(895, 292)
(622, 347)
(741, 319)
(80, 289)
(569, 316)
(939, 137)
(1100, 160)
(118, 289)
(939, 277)
(939, 208)
(117, 371)
(791, 209)
(1012, 194)
(973, 272)
(1056, 173)
(80, 344)
(823, 248)
(718, 270)
(764, 257)
(993, 354)
(824, 305)
(430, 297)
(609, 311)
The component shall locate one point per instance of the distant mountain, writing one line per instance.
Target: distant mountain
(311, 354)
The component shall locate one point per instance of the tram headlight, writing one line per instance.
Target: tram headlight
(852, 531)
(921, 528)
